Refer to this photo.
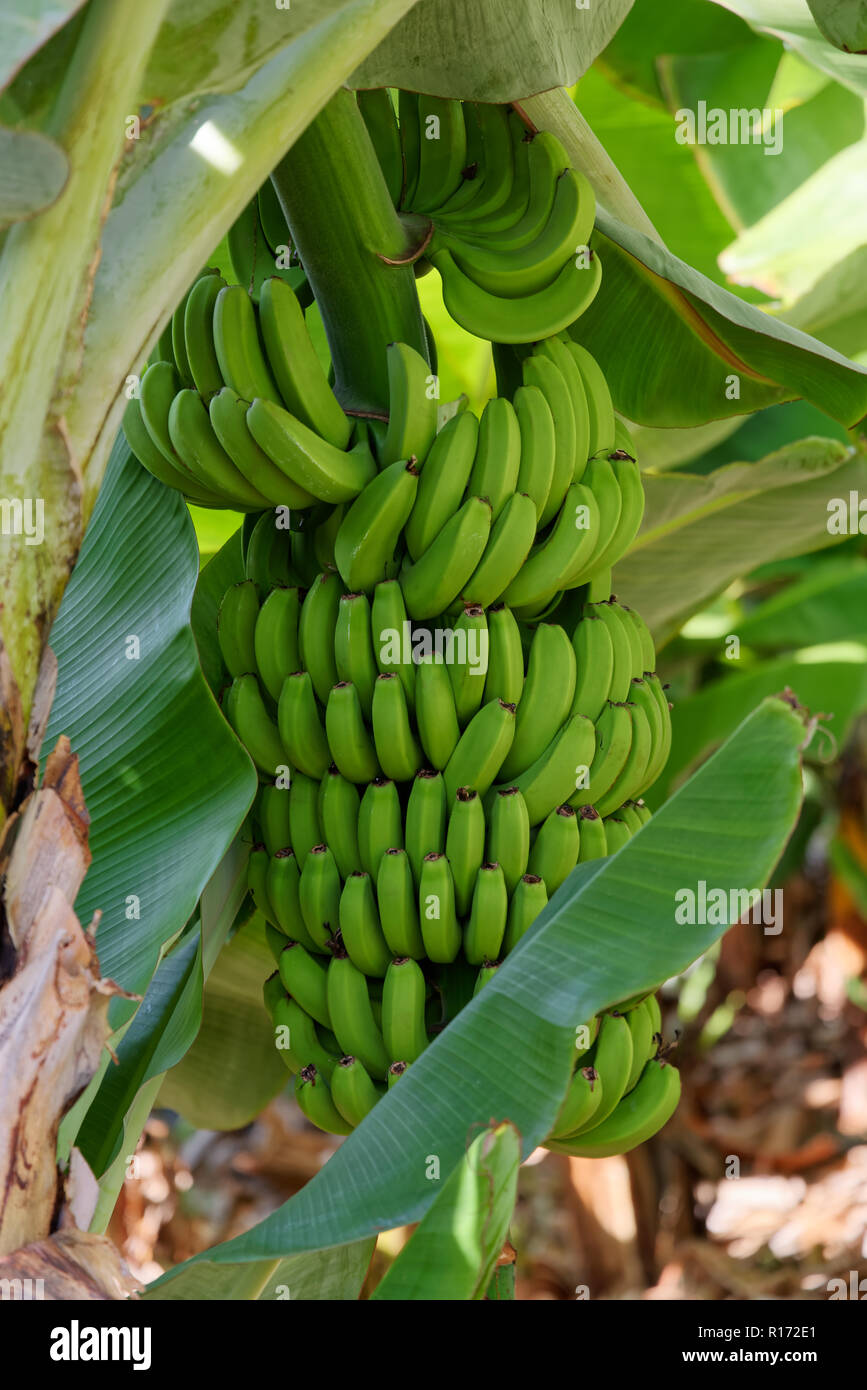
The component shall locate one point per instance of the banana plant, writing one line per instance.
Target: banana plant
(133, 152)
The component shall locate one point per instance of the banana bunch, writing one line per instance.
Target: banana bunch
(238, 412)
(509, 221)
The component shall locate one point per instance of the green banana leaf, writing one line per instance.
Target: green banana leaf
(791, 21)
(492, 50)
(222, 570)
(166, 782)
(827, 605)
(163, 1028)
(835, 307)
(25, 26)
(607, 933)
(325, 1276)
(843, 23)
(677, 27)
(232, 1069)
(35, 170)
(453, 1252)
(831, 679)
(718, 527)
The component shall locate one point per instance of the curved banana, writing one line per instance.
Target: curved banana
(505, 678)
(305, 830)
(580, 1104)
(611, 1057)
(563, 553)
(550, 781)
(305, 1045)
(353, 647)
(498, 454)
(538, 446)
(353, 1091)
(467, 671)
(243, 365)
(329, 474)
(592, 843)
(506, 551)
(316, 627)
(443, 481)
(639, 1115)
(299, 375)
(315, 1103)
(390, 629)
(617, 833)
(319, 895)
(255, 727)
(236, 627)
(360, 927)
(304, 977)
(275, 639)
(197, 446)
(352, 1016)
(493, 189)
(555, 848)
(598, 398)
(612, 744)
(339, 806)
(557, 351)
(546, 698)
(621, 674)
(412, 407)
(632, 776)
(403, 1009)
(442, 153)
(425, 819)
(379, 116)
(481, 749)
(523, 320)
(398, 905)
(380, 823)
(465, 844)
(527, 901)
(257, 882)
(509, 836)
(440, 929)
(486, 927)
(546, 161)
(351, 745)
(436, 578)
(594, 658)
(370, 530)
(198, 325)
(301, 728)
(272, 816)
(166, 470)
(282, 884)
(435, 713)
(397, 750)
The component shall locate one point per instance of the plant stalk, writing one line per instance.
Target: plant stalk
(342, 222)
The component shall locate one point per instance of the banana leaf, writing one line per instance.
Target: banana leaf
(34, 172)
(325, 1276)
(792, 21)
(25, 26)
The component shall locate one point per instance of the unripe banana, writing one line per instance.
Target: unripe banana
(380, 823)
(636, 651)
(339, 806)
(255, 727)
(612, 1059)
(594, 655)
(397, 749)
(275, 941)
(639, 1115)
(369, 532)
(332, 475)
(353, 1091)
(350, 743)
(297, 370)
(643, 813)
(301, 727)
(390, 629)
(412, 406)
(395, 1072)
(227, 412)
(580, 1104)
(316, 627)
(435, 713)
(403, 1006)
(425, 818)
(591, 834)
(360, 927)
(557, 351)
(353, 647)
(272, 816)
(486, 973)
(528, 900)
(566, 549)
(283, 886)
(550, 780)
(498, 454)
(613, 739)
(352, 1016)
(538, 446)
(257, 881)
(243, 365)
(631, 778)
(275, 639)
(236, 628)
(378, 114)
(546, 698)
(272, 993)
(305, 1046)
(617, 833)
(440, 929)
(544, 375)
(555, 848)
(315, 1102)
(443, 481)
(436, 578)
(167, 470)
(442, 151)
(398, 905)
(505, 678)
(640, 1022)
(509, 544)
(484, 932)
(645, 640)
(304, 828)
(598, 399)
(468, 676)
(525, 320)
(304, 976)
(268, 554)
(481, 749)
(465, 844)
(509, 836)
(198, 335)
(319, 895)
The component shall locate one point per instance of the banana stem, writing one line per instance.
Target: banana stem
(346, 230)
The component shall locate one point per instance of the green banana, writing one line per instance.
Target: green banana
(167, 470)
(639, 1115)
(481, 749)
(304, 978)
(353, 1091)
(435, 713)
(612, 745)
(505, 553)
(275, 941)
(272, 993)
(555, 848)
(550, 781)
(632, 775)
(319, 896)
(248, 249)
(642, 811)
(641, 694)
(611, 1057)
(339, 805)
(546, 161)
(410, 142)
(275, 639)
(498, 454)
(465, 844)
(301, 728)
(397, 748)
(621, 674)
(468, 675)
(412, 407)
(228, 416)
(243, 365)
(197, 446)
(305, 830)
(557, 351)
(640, 1020)
(550, 566)
(472, 174)
(403, 1006)
(316, 627)
(486, 927)
(540, 372)
(434, 581)
(329, 474)
(443, 481)
(546, 698)
(369, 532)
(378, 114)
(617, 833)
(509, 836)
(581, 1102)
(179, 349)
(272, 219)
(486, 974)
(236, 627)
(442, 152)
(257, 882)
(513, 210)
(360, 926)
(505, 678)
(494, 188)
(255, 727)
(660, 758)
(598, 397)
(636, 653)
(198, 334)
(300, 378)
(645, 640)
(594, 658)
(315, 1103)
(523, 320)
(281, 885)
(272, 814)
(628, 476)
(353, 647)
(599, 477)
(268, 555)
(527, 901)
(304, 1042)
(538, 446)
(440, 929)
(398, 904)
(352, 1016)
(592, 843)
(380, 823)
(425, 819)
(391, 627)
(351, 745)
(630, 817)
(395, 1072)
